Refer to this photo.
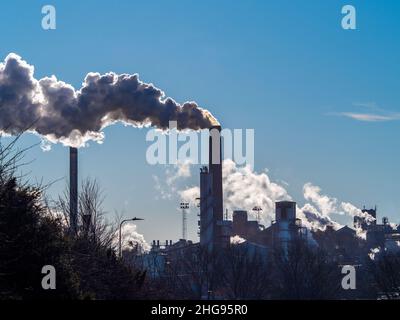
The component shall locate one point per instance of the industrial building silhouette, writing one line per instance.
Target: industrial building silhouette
(344, 245)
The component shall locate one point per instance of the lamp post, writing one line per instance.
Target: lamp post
(120, 228)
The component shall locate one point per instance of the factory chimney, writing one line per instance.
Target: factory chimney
(212, 231)
(73, 189)
(215, 168)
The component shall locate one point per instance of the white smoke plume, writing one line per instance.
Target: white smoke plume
(325, 204)
(245, 188)
(237, 240)
(190, 194)
(173, 174)
(328, 205)
(373, 252)
(57, 112)
(131, 239)
(353, 211)
(180, 170)
(314, 219)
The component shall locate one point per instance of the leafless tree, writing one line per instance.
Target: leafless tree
(385, 275)
(191, 273)
(246, 272)
(12, 158)
(92, 216)
(304, 272)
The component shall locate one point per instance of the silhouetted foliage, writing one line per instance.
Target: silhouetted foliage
(32, 236)
(245, 273)
(29, 237)
(384, 272)
(304, 272)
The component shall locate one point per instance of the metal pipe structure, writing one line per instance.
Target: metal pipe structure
(73, 189)
(184, 206)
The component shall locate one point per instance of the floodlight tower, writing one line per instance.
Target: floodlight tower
(198, 205)
(184, 207)
(257, 210)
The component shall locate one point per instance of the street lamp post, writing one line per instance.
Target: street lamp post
(120, 228)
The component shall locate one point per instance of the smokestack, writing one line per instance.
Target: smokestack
(215, 167)
(73, 189)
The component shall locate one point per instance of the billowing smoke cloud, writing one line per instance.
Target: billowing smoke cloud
(325, 204)
(316, 220)
(353, 211)
(131, 239)
(373, 252)
(244, 189)
(59, 113)
(190, 195)
(237, 240)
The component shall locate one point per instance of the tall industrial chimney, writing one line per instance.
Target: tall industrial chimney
(73, 189)
(215, 168)
(214, 231)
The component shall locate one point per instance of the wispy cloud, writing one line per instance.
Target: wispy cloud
(374, 113)
(367, 105)
(371, 117)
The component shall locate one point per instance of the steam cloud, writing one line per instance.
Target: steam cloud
(131, 238)
(56, 111)
(237, 240)
(245, 188)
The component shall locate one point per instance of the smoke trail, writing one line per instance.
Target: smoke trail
(245, 188)
(131, 239)
(55, 110)
(237, 240)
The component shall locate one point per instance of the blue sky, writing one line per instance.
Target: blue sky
(285, 68)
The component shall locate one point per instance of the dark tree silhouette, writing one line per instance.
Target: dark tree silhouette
(29, 237)
(384, 272)
(33, 235)
(245, 273)
(304, 272)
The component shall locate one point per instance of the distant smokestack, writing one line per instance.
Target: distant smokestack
(215, 167)
(73, 189)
